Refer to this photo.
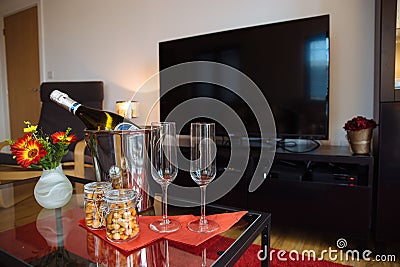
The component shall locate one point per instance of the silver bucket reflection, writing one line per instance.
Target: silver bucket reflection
(122, 157)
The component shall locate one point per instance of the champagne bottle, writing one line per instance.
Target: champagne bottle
(94, 119)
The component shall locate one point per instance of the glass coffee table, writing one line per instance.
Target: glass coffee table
(33, 236)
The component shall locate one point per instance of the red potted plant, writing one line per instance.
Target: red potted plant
(359, 134)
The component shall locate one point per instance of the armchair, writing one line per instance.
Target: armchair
(53, 118)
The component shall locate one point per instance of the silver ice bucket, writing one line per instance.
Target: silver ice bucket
(122, 157)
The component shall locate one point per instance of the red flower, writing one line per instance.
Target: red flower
(60, 137)
(30, 154)
(21, 143)
(70, 139)
(359, 123)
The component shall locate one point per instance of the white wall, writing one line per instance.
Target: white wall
(117, 42)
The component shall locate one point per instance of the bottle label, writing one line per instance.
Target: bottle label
(68, 104)
(74, 107)
(64, 101)
(125, 126)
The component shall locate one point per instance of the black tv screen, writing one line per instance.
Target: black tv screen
(288, 61)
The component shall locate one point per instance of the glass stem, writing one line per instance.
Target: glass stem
(164, 187)
(203, 219)
(204, 258)
(166, 252)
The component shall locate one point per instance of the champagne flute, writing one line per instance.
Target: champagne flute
(203, 169)
(163, 154)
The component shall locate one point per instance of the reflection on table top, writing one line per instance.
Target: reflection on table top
(33, 234)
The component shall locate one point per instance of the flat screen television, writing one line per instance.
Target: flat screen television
(288, 61)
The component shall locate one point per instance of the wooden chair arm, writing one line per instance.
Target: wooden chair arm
(79, 159)
(3, 144)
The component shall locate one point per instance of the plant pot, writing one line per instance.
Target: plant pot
(53, 190)
(360, 141)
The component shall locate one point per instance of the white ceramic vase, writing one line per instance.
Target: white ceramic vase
(53, 190)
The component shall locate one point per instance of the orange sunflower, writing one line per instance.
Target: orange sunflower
(21, 143)
(39, 150)
(63, 137)
(31, 153)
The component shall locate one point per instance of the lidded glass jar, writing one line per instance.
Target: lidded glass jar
(94, 203)
(122, 222)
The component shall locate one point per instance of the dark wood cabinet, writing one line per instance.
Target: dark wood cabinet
(328, 189)
(387, 136)
(322, 197)
(388, 174)
(385, 49)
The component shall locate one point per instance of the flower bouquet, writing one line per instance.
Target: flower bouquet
(359, 134)
(38, 150)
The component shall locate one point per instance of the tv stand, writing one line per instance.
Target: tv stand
(328, 189)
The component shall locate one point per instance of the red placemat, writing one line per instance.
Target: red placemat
(184, 235)
(225, 221)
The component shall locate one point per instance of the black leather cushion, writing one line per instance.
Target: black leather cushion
(55, 118)
(70, 157)
(6, 158)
